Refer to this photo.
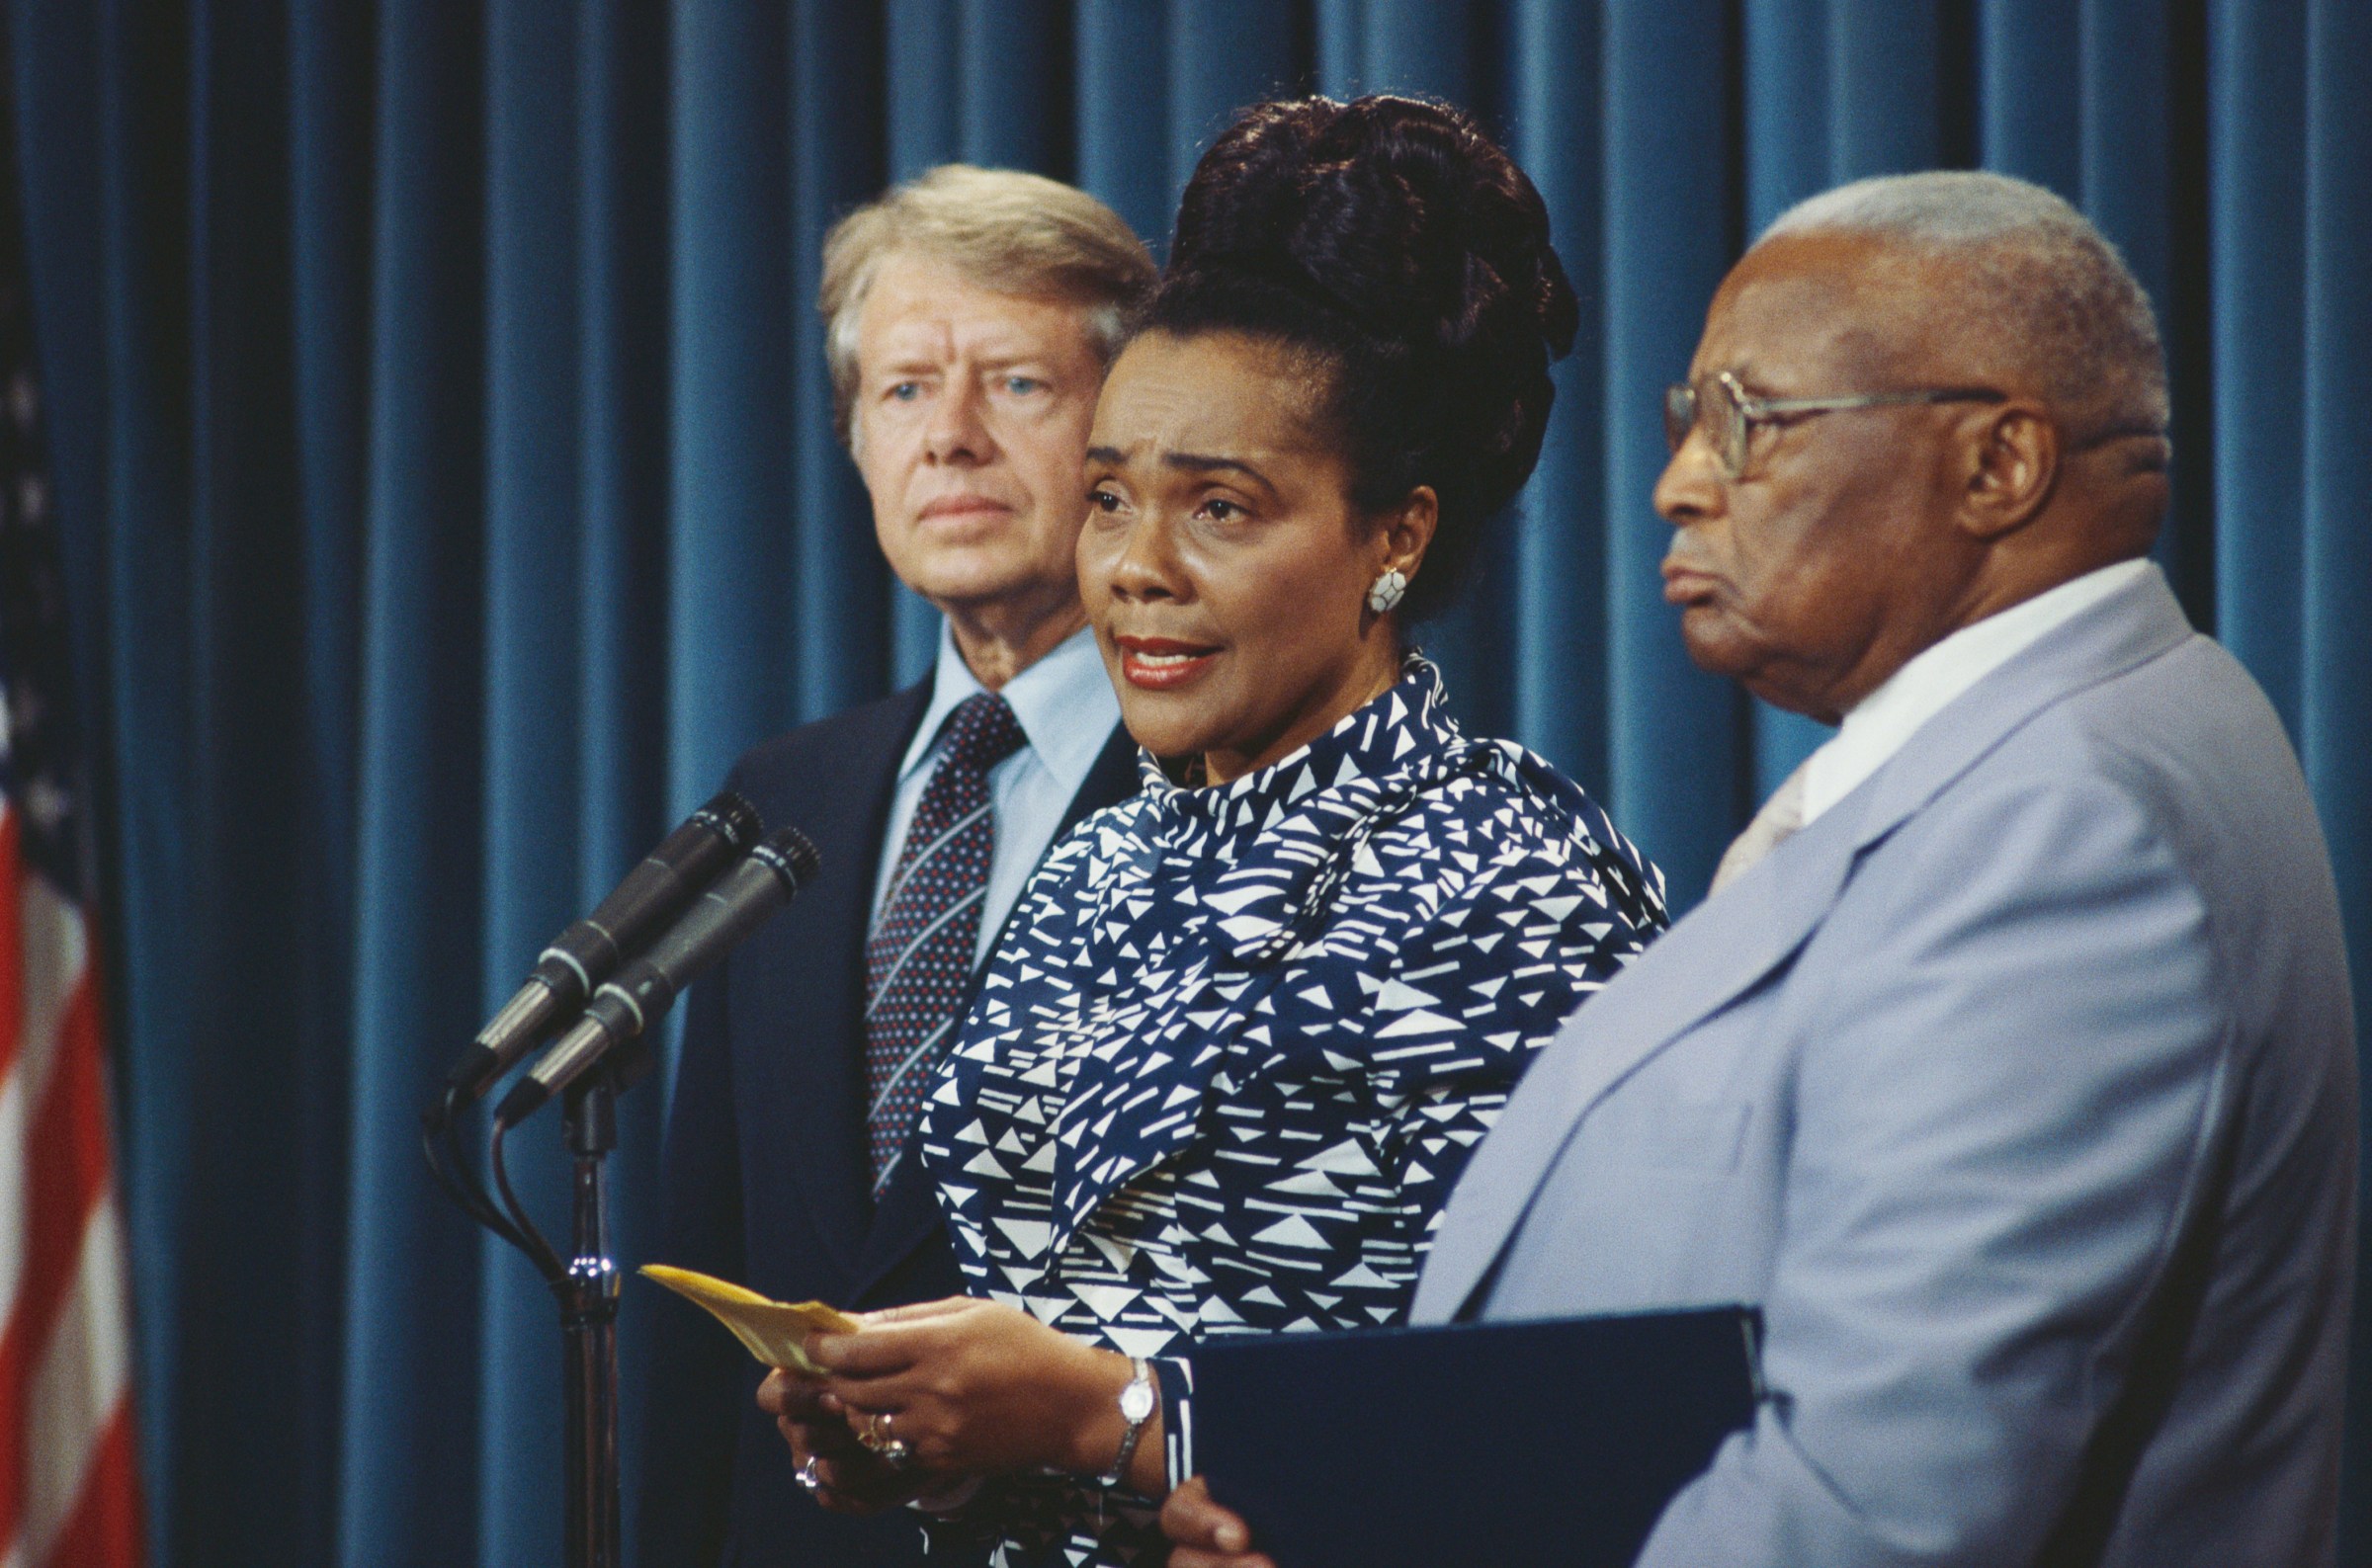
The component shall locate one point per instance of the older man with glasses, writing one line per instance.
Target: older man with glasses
(2010, 1067)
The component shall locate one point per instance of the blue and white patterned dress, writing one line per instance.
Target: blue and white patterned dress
(1234, 1052)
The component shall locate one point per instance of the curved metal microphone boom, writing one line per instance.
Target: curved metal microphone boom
(653, 893)
(770, 877)
(754, 884)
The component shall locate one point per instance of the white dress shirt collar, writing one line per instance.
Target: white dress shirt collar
(1882, 721)
(1065, 703)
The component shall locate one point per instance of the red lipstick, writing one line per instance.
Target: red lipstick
(1162, 664)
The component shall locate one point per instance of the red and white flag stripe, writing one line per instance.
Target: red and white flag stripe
(68, 1486)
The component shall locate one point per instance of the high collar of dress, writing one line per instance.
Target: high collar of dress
(1405, 715)
(1288, 832)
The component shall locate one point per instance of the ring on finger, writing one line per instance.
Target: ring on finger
(880, 1441)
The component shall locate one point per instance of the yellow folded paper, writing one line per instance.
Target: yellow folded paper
(776, 1332)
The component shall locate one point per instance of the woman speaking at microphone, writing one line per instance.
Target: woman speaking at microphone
(1225, 1068)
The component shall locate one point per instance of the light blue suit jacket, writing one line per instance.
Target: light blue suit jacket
(2019, 1089)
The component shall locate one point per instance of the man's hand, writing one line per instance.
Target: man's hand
(850, 1478)
(1206, 1534)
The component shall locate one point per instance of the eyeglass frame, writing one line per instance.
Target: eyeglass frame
(1748, 411)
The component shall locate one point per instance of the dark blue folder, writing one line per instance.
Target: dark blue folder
(1508, 1444)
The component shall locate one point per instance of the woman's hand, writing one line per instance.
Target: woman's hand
(1205, 1535)
(974, 1387)
(848, 1477)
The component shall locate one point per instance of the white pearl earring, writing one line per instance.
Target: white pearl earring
(1387, 591)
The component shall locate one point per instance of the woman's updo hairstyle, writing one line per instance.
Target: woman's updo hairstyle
(1395, 241)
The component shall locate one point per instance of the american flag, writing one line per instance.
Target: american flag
(68, 1490)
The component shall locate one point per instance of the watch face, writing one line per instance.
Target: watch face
(1136, 1402)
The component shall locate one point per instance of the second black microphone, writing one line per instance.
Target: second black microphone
(775, 871)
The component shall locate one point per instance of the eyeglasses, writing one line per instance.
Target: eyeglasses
(1731, 417)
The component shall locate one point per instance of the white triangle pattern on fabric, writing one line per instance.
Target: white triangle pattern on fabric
(1239, 1041)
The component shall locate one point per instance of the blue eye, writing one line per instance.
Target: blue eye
(1023, 386)
(907, 391)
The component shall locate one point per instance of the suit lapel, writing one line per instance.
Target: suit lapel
(1111, 781)
(1700, 966)
(1727, 944)
(812, 970)
(909, 1206)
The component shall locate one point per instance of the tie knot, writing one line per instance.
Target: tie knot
(982, 732)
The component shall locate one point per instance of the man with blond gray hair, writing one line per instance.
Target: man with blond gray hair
(2009, 1067)
(970, 315)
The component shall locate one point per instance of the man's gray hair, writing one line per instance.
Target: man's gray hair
(1008, 231)
(2063, 300)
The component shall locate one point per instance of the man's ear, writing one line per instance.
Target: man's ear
(2012, 467)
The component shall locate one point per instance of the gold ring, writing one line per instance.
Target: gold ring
(884, 1444)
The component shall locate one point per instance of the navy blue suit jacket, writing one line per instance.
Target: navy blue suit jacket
(766, 1172)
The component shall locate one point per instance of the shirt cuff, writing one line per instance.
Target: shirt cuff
(1175, 1374)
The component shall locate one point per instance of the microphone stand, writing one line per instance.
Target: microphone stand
(588, 1295)
(760, 880)
(585, 1284)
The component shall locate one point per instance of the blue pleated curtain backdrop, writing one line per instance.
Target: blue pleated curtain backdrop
(442, 445)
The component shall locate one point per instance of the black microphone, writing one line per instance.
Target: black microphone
(644, 989)
(655, 892)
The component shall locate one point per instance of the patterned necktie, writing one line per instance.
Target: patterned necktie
(1781, 815)
(918, 960)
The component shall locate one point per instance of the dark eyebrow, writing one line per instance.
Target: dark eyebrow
(1196, 462)
(1191, 461)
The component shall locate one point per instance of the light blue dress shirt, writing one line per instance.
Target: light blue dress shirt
(1067, 708)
